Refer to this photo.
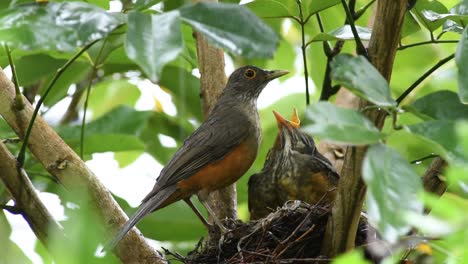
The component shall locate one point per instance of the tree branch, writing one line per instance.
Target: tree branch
(63, 163)
(26, 199)
(342, 225)
(213, 79)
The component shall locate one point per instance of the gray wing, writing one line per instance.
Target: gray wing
(210, 142)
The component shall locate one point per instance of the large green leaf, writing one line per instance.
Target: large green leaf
(424, 10)
(232, 27)
(410, 25)
(142, 4)
(393, 188)
(185, 91)
(109, 94)
(153, 41)
(174, 223)
(461, 58)
(343, 33)
(359, 75)
(315, 6)
(56, 26)
(9, 251)
(457, 25)
(118, 130)
(443, 134)
(268, 9)
(335, 124)
(161, 123)
(441, 105)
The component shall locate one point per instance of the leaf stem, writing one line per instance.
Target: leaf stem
(303, 49)
(362, 10)
(88, 91)
(360, 49)
(423, 77)
(430, 156)
(19, 101)
(57, 75)
(402, 47)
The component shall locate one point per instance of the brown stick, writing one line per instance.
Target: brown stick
(431, 181)
(26, 199)
(213, 79)
(342, 225)
(63, 163)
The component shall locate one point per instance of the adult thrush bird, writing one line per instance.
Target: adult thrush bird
(217, 154)
(293, 170)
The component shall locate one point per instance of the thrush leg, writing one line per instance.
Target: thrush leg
(204, 201)
(197, 212)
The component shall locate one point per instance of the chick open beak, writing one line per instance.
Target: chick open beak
(275, 74)
(280, 120)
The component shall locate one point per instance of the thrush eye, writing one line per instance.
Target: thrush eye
(250, 74)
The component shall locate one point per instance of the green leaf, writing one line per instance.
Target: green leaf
(177, 222)
(118, 130)
(153, 41)
(410, 25)
(109, 94)
(341, 125)
(125, 158)
(457, 25)
(360, 77)
(184, 89)
(424, 10)
(461, 58)
(9, 251)
(353, 257)
(273, 8)
(443, 134)
(143, 4)
(343, 33)
(315, 6)
(441, 105)
(393, 188)
(56, 26)
(239, 31)
(161, 123)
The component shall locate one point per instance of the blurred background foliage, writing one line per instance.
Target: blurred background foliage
(144, 41)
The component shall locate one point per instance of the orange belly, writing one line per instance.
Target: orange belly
(222, 173)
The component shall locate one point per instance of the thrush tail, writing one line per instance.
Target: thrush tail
(145, 208)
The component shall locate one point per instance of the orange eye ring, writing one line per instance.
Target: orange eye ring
(250, 74)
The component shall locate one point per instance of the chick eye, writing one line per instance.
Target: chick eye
(250, 74)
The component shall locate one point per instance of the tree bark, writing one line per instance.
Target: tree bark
(342, 225)
(213, 80)
(27, 201)
(64, 164)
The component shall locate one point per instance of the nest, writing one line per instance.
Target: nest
(292, 234)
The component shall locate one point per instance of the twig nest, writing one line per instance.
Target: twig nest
(291, 234)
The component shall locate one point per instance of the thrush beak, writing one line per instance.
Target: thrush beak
(275, 74)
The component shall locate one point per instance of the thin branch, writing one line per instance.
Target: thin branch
(303, 50)
(423, 77)
(19, 101)
(88, 91)
(402, 47)
(64, 164)
(360, 49)
(57, 75)
(27, 202)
